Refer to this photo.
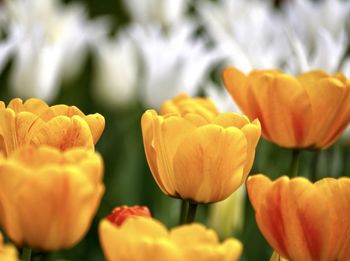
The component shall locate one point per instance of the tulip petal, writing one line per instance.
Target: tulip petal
(252, 133)
(61, 198)
(285, 108)
(64, 132)
(327, 97)
(149, 243)
(208, 163)
(230, 119)
(8, 130)
(161, 138)
(62, 195)
(147, 125)
(301, 220)
(235, 83)
(95, 121)
(193, 234)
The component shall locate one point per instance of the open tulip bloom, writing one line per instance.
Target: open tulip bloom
(196, 153)
(142, 238)
(48, 197)
(302, 220)
(34, 122)
(309, 111)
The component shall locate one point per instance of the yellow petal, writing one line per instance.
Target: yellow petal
(63, 196)
(209, 163)
(64, 132)
(96, 124)
(8, 130)
(35, 106)
(137, 239)
(252, 133)
(184, 104)
(229, 119)
(193, 234)
(200, 243)
(161, 137)
(95, 121)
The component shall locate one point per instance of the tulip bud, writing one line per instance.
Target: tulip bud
(120, 214)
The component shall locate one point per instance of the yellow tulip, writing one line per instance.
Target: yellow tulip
(7, 252)
(308, 111)
(34, 122)
(183, 104)
(48, 197)
(303, 220)
(143, 238)
(196, 155)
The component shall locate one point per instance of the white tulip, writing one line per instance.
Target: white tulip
(248, 32)
(162, 12)
(117, 72)
(52, 41)
(173, 62)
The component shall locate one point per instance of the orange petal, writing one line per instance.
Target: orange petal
(284, 107)
(327, 100)
(235, 82)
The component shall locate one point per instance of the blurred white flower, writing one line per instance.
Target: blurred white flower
(307, 17)
(52, 41)
(117, 72)
(250, 33)
(327, 54)
(317, 33)
(160, 12)
(173, 62)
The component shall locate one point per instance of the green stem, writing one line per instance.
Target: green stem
(184, 209)
(314, 165)
(294, 165)
(191, 213)
(26, 254)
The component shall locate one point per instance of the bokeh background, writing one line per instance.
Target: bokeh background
(120, 58)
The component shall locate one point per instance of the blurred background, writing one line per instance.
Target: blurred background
(120, 58)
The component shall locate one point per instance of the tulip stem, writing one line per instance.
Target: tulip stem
(191, 212)
(314, 166)
(26, 254)
(294, 165)
(184, 209)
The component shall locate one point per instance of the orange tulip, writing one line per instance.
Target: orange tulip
(195, 153)
(48, 197)
(302, 220)
(308, 111)
(34, 122)
(7, 252)
(143, 238)
(120, 214)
